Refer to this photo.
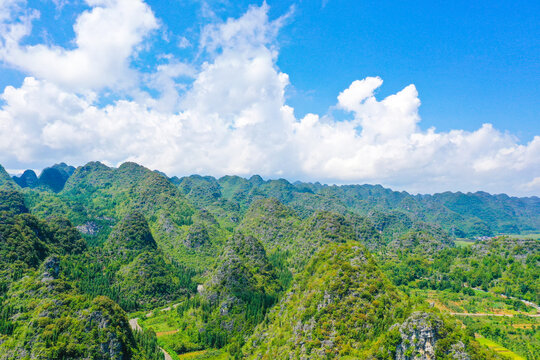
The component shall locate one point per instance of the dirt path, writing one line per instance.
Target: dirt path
(526, 302)
(166, 354)
(134, 324)
(483, 314)
(169, 308)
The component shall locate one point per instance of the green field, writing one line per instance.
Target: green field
(205, 355)
(499, 349)
(515, 335)
(532, 236)
(464, 242)
(480, 302)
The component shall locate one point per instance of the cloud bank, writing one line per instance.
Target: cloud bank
(231, 117)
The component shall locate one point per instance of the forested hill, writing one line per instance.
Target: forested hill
(464, 215)
(461, 214)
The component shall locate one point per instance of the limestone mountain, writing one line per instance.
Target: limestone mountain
(464, 215)
(428, 335)
(12, 202)
(110, 191)
(337, 306)
(342, 306)
(26, 240)
(422, 238)
(151, 280)
(243, 270)
(273, 223)
(45, 317)
(137, 275)
(27, 179)
(65, 169)
(132, 233)
(6, 182)
(53, 179)
(239, 291)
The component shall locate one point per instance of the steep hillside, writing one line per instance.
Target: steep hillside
(12, 202)
(342, 306)
(26, 240)
(51, 178)
(45, 317)
(132, 234)
(110, 192)
(239, 292)
(422, 239)
(27, 179)
(235, 298)
(6, 182)
(274, 224)
(96, 197)
(137, 274)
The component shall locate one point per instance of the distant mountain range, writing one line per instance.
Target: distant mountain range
(460, 214)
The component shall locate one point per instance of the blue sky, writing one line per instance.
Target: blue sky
(253, 87)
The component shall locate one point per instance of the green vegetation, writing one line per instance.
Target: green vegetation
(136, 273)
(499, 349)
(235, 268)
(5, 180)
(49, 319)
(531, 236)
(513, 324)
(518, 334)
(342, 306)
(500, 265)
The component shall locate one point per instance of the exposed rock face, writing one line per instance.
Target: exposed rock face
(51, 269)
(419, 333)
(89, 228)
(458, 352)
(110, 346)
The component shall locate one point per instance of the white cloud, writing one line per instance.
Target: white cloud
(183, 42)
(233, 119)
(533, 185)
(106, 38)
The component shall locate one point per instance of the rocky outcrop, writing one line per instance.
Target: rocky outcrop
(51, 269)
(89, 228)
(420, 335)
(458, 352)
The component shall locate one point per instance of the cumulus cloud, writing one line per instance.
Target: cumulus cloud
(106, 37)
(232, 118)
